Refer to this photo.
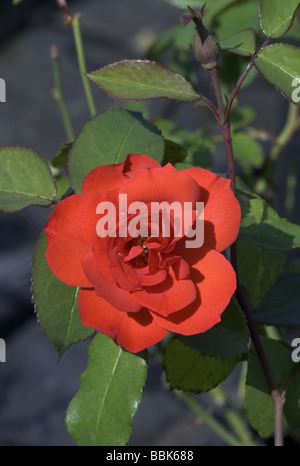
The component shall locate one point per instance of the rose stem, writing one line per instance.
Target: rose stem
(233, 417)
(224, 124)
(82, 64)
(202, 412)
(243, 77)
(291, 186)
(292, 124)
(58, 94)
(75, 21)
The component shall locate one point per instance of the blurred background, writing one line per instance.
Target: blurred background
(35, 388)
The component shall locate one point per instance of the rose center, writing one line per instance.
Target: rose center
(142, 259)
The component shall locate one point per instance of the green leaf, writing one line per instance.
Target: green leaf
(258, 401)
(190, 370)
(197, 144)
(248, 152)
(16, 2)
(110, 391)
(175, 37)
(241, 116)
(262, 226)
(163, 42)
(276, 17)
(174, 153)
(61, 158)
(294, 266)
(281, 306)
(108, 139)
(25, 179)
(183, 4)
(259, 268)
(184, 165)
(227, 339)
(197, 157)
(55, 304)
(232, 67)
(200, 155)
(280, 65)
(141, 107)
(234, 17)
(243, 188)
(241, 43)
(141, 80)
(62, 186)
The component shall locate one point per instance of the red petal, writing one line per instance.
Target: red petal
(216, 283)
(66, 246)
(133, 331)
(108, 259)
(181, 268)
(107, 177)
(102, 179)
(169, 296)
(117, 297)
(89, 216)
(150, 279)
(161, 184)
(136, 162)
(222, 213)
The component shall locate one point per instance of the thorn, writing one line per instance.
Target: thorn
(202, 10)
(187, 18)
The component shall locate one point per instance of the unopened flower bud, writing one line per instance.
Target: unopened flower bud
(206, 52)
(205, 47)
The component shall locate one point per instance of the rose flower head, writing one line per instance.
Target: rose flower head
(144, 243)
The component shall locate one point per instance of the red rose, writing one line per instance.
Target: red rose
(135, 290)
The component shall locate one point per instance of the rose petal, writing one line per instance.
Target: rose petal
(216, 282)
(132, 253)
(222, 213)
(167, 297)
(181, 268)
(107, 177)
(89, 216)
(151, 279)
(108, 258)
(117, 297)
(161, 184)
(66, 246)
(136, 162)
(133, 331)
(102, 179)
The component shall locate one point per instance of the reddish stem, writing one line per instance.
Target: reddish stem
(66, 12)
(243, 76)
(224, 124)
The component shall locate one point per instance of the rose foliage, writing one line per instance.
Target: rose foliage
(109, 274)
